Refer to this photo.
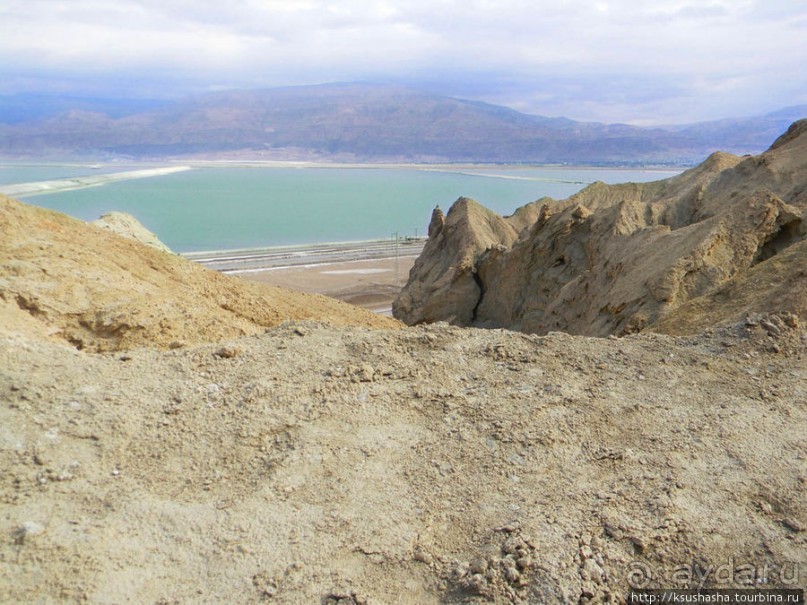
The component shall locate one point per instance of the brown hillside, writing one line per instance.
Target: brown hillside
(101, 291)
(615, 259)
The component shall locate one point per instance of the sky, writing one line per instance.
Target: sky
(633, 61)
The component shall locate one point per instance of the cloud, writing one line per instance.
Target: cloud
(604, 59)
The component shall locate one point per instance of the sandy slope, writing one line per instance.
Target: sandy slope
(101, 291)
(329, 465)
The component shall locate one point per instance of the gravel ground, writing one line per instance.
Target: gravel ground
(322, 464)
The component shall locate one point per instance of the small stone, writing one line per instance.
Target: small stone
(771, 328)
(228, 352)
(478, 566)
(461, 570)
(300, 331)
(524, 562)
(509, 527)
(362, 373)
(478, 583)
(794, 525)
(592, 571)
(422, 556)
(512, 544)
(512, 575)
(638, 543)
(26, 530)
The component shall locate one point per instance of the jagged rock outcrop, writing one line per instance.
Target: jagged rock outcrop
(437, 222)
(616, 259)
(126, 225)
(444, 278)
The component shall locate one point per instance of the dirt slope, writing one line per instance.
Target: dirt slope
(617, 259)
(101, 291)
(314, 464)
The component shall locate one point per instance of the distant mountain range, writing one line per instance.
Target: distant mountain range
(356, 123)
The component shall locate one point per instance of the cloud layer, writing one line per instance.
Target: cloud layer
(607, 60)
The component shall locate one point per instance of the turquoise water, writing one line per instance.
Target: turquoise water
(31, 173)
(244, 207)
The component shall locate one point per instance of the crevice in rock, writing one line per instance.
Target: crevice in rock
(480, 284)
(787, 235)
(29, 305)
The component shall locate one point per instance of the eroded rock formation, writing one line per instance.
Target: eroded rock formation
(615, 259)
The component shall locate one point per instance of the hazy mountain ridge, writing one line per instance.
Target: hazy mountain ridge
(365, 122)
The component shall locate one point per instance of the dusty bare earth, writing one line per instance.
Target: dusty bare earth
(372, 284)
(100, 291)
(315, 464)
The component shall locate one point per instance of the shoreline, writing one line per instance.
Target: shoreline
(369, 274)
(35, 188)
(256, 260)
(369, 283)
(81, 182)
(317, 265)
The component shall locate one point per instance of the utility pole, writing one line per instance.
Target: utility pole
(395, 235)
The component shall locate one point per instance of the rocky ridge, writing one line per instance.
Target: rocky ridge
(616, 259)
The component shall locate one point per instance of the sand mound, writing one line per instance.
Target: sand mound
(616, 259)
(101, 291)
(126, 225)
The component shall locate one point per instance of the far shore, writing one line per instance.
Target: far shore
(437, 166)
(92, 180)
(169, 166)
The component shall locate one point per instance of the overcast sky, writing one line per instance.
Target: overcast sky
(635, 61)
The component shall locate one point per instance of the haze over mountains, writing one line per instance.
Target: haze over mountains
(356, 122)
